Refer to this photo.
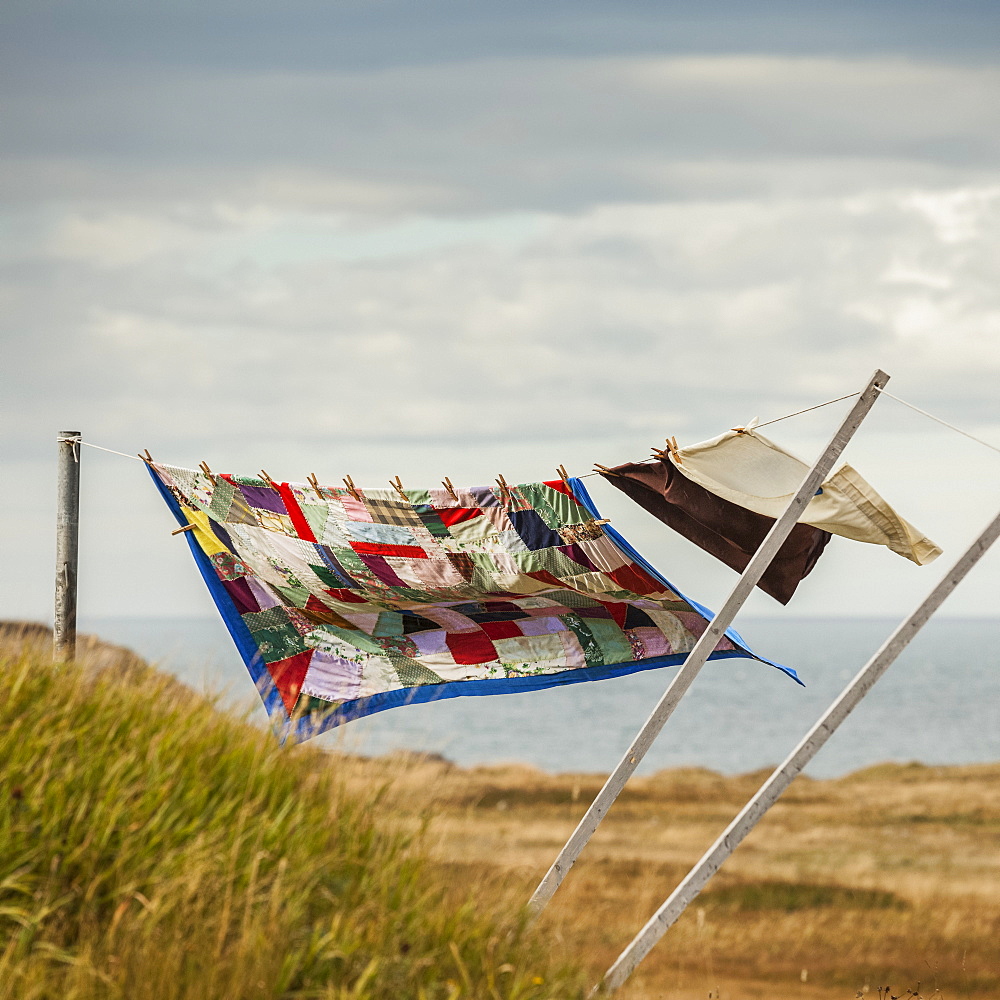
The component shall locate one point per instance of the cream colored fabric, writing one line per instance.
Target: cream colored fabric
(750, 470)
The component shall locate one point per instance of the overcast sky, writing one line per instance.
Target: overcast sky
(443, 238)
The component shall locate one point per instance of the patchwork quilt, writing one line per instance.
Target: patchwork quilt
(347, 601)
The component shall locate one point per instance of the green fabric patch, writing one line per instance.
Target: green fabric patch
(613, 642)
(294, 594)
(574, 600)
(412, 673)
(432, 522)
(222, 499)
(538, 496)
(274, 634)
(316, 516)
(566, 508)
(592, 651)
(327, 576)
(389, 623)
(350, 560)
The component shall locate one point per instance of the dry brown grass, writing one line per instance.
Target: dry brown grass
(890, 876)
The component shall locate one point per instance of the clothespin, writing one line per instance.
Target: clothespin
(504, 488)
(146, 457)
(267, 479)
(204, 468)
(314, 483)
(673, 450)
(352, 489)
(563, 474)
(446, 483)
(397, 485)
(187, 527)
(604, 469)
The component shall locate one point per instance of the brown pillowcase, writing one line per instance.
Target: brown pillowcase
(729, 532)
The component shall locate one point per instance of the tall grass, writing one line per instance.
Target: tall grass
(152, 846)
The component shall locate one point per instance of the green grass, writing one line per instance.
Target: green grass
(152, 846)
(789, 897)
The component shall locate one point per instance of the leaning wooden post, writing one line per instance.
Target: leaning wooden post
(769, 792)
(67, 544)
(706, 644)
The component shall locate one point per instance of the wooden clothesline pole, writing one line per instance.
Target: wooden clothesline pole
(782, 777)
(67, 545)
(698, 656)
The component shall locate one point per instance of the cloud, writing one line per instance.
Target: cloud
(621, 319)
(505, 134)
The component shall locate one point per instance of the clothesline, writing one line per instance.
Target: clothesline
(110, 451)
(958, 430)
(775, 420)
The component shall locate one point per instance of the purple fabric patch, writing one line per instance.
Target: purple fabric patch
(484, 497)
(241, 594)
(576, 553)
(265, 598)
(332, 677)
(263, 498)
(430, 642)
(540, 626)
(381, 568)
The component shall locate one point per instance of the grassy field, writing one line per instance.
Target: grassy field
(887, 877)
(151, 846)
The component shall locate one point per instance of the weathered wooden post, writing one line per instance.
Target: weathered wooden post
(67, 545)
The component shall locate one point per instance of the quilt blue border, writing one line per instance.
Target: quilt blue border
(304, 727)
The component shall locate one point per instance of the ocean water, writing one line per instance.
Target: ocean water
(939, 703)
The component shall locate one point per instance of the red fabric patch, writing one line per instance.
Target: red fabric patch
(313, 603)
(351, 596)
(456, 515)
(545, 576)
(501, 630)
(560, 487)
(295, 513)
(288, 675)
(471, 647)
(635, 579)
(618, 611)
(378, 549)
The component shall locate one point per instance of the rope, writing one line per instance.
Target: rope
(944, 423)
(110, 451)
(588, 475)
(884, 392)
(766, 422)
(808, 408)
